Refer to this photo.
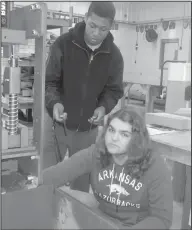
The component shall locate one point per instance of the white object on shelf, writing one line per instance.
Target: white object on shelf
(179, 72)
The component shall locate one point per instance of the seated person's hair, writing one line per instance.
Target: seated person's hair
(139, 150)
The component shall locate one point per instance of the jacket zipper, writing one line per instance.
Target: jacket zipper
(90, 58)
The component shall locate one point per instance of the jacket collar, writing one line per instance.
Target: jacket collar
(77, 34)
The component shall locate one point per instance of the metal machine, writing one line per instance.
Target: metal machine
(22, 23)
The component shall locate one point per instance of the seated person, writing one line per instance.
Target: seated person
(129, 179)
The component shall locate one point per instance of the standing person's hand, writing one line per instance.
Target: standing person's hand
(98, 116)
(58, 113)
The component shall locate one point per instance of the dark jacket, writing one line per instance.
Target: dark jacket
(83, 80)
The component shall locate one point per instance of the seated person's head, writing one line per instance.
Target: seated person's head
(125, 135)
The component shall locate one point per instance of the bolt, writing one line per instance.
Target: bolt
(34, 157)
(34, 32)
(30, 177)
(32, 7)
(37, 6)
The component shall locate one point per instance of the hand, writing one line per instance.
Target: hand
(58, 112)
(98, 116)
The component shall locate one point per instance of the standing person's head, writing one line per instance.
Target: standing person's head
(125, 139)
(99, 20)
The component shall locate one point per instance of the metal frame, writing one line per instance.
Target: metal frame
(162, 49)
(13, 36)
(31, 20)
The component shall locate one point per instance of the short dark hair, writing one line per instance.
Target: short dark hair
(102, 9)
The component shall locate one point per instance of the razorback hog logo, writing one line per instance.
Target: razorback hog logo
(116, 188)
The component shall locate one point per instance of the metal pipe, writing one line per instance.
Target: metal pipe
(161, 77)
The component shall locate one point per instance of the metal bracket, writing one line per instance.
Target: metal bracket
(13, 36)
(29, 19)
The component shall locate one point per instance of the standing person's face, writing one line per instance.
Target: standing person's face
(96, 29)
(118, 136)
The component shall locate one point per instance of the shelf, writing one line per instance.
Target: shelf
(26, 63)
(56, 23)
(22, 62)
(20, 152)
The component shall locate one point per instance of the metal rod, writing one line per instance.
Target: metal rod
(12, 123)
(39, 87)
(161, 77)
(58, 152)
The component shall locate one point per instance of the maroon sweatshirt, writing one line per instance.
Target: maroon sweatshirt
(146, 203)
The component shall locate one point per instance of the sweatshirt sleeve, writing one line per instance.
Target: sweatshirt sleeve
(160, 198)
(113, 90)
(53, 77)
(68, 170)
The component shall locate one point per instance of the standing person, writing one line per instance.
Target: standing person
(84, 80)
(130, 181)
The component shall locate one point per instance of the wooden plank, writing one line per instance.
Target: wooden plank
(173, 153)
(178, 140)
(186, 112)
(169, 120)
(18, 155)
(18, 152)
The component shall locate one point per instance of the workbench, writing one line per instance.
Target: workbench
(176, 146)
(65, 211)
